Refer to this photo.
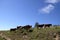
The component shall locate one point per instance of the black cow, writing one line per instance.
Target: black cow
(27, 27)
(13, 29)
(41, 26)
(47, 25)
(44, 25)
(19, 27)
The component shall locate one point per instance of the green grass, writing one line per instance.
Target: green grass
(1, 38)
(37, 34)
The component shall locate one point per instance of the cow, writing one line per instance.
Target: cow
(41, 26)
(44, 25)
(19, 27)
(47, 25)
(27, 27)
(13, 29)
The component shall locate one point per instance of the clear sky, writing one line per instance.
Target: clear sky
(23, 12)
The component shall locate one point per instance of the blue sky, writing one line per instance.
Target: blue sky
(23, 12)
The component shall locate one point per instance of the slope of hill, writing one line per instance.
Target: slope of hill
(33, 34)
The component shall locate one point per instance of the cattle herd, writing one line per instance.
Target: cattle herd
(27, 27)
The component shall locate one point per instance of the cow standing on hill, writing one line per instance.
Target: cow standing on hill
(19, 27)
(44, 25)
(13, 29)
(27, 27)
(47, 25)
(40, 26)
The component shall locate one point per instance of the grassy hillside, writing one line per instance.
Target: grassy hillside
(32, 34)
(2, 38)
